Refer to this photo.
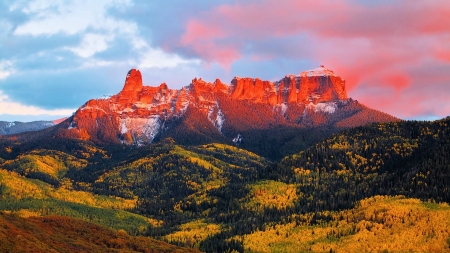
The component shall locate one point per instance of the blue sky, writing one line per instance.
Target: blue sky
(56, 55)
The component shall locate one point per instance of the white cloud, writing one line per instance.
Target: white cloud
(96, 63)
(91, 44)
(13, 108)
(79, 17)
(157, 58)
(71, 17)
(6, 69)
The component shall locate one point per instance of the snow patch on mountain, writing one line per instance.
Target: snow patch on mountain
(219, 119)
(238, 139)
(319, 71)
(284, 108)
(280, 108)
(123, 126)
(327, 107)
(72, 125)
(184, 107)
(148, 127)
(151, 128)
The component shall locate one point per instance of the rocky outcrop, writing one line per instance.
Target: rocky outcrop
(133, 86)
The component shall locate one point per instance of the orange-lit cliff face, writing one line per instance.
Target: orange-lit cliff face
(315, 86)
(138, 114)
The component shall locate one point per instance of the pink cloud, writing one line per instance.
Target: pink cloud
(222, 33)
(373, 47)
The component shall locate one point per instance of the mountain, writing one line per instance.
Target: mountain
(294, 112)
(199, 167)
(19, 127)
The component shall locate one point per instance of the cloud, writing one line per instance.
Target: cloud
(77, 17)
(157, 58)
(59, 54)
(69, 17)
(9, 107)
(375, 47)
(6, 69)
(222, 34)
(96, 30)
(91, 44)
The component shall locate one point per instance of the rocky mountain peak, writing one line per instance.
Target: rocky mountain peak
(138, 114)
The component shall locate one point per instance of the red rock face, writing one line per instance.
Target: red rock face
(133, 86)
(255, 90)
(307, 89)
(137, 113)
(316, 86)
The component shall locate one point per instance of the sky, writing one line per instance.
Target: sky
(56, 55)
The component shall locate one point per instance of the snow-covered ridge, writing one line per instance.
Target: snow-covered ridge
(319, 71)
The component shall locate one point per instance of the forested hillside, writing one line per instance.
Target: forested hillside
(347, 193)
(409, 158)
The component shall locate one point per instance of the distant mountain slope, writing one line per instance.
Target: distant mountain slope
(19, 127)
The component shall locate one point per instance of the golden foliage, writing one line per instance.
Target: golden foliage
(19, 187)
(50, 162)
(194, 232)
(271, 194)
(391, 224)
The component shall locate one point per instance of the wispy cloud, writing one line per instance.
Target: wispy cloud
(6, 69)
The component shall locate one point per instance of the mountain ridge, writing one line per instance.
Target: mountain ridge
(141, 114)
(16, 127)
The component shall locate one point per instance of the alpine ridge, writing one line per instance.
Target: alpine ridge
(204, 111)
(19, 127)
